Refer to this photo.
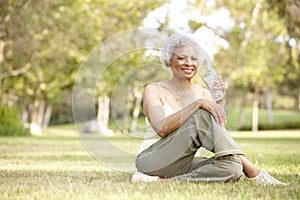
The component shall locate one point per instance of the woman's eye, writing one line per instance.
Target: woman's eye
(180, 58)
(194, 59)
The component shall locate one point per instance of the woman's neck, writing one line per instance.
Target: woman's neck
(181, 84)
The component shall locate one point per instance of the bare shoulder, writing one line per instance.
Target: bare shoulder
(152, 86)
(156, 85)
(152, 89)
(152, 97)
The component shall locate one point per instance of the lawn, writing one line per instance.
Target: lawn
(56, 165)
(279, 116)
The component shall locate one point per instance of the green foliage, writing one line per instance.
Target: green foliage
(52, 38)
(10, 124)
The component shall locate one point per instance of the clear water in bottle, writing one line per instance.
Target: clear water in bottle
(210, 78)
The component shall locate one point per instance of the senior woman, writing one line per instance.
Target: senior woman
(184, 118)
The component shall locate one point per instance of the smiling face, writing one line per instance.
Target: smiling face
(184, 62)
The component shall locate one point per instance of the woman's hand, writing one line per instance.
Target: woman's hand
(215, 109)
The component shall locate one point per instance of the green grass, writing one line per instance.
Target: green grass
(279, 116)
(55, 165)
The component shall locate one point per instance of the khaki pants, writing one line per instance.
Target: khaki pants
(174, 155)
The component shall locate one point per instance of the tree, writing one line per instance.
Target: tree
(289, 11)
(255, 49)
(52, 39)
(39, 33)
(9, 11)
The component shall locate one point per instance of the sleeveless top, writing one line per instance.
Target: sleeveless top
(151, 136)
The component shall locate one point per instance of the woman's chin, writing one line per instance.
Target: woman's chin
(189, 75)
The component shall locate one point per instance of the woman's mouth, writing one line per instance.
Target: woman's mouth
(188, 71)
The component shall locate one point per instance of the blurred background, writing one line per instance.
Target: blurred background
(255, 45)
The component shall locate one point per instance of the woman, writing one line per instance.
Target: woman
(184, 118)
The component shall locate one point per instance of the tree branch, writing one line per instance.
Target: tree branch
(15, 72)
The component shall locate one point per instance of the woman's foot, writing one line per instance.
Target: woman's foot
(265, 178)
(140, 177)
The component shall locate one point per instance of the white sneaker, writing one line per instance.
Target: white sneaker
(266, 179)
(140, 177)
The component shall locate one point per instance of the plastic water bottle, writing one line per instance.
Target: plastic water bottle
(210, 78)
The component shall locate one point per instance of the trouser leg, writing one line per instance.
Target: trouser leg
(213, 137)
(221, 169)
(173, 155)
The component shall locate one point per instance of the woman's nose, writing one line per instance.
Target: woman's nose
(188, 61)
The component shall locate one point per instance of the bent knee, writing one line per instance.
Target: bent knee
(203, 115)
(233, 168)
(202, 112)
(235, 171)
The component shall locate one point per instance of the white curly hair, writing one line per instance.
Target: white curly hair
(177, 40)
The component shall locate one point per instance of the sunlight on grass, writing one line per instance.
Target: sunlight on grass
(56, 165)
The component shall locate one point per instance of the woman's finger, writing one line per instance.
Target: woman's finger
(222, 116)
(219, 116)
(216, 110)
(216, 116)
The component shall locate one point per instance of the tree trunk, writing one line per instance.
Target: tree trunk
(35, 128)
(255, 110)
(242, 112)
(41, 113)
(103, 114)
(2, 45)
(126, 118)
(136, 111)
(269, 105)
(35, 110)
(25, 117)
(299, 100)
(35, 124)
(47, 116)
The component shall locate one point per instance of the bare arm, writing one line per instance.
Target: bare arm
(163, 126)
